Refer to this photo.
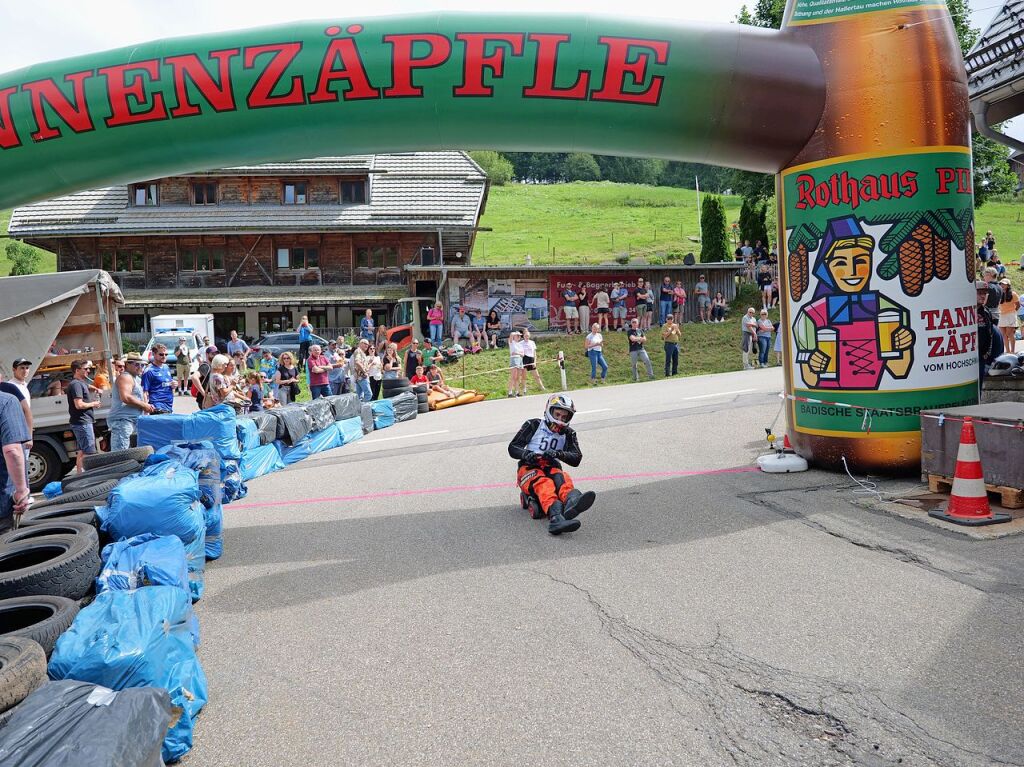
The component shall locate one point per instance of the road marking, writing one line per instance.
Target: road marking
(492, 486)
(599, 410)
(720, 394)
(404, 436)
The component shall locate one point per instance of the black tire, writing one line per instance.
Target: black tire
(421, 389)
(99, 492)
(422, 397)
(113, 469)
(58, 565)
(81, 513)
(391, 383)
(96, 460)
(41, 527)
(44, 466)
(394, 392)
(41, 619)
(22, 669)
(423, 407)
(74, 483)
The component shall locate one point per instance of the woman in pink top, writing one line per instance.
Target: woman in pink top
(435, 316)
(679, 301)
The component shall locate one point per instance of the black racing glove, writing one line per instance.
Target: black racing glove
(552, 455)
(531, 458)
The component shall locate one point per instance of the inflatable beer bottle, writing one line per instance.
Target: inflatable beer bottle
(876, 233)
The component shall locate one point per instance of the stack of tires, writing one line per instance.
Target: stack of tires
(48, 569)
(392, 387)
(422, 404)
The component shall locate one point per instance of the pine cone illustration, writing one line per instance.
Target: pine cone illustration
(911, 260)
(943, 258)
(969, 256)
(923, 234)
(799, 273)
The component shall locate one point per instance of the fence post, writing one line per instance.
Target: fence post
(561, 370)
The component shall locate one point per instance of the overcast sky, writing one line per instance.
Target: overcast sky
(52, 29)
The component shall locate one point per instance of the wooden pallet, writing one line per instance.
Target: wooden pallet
(1009, 497)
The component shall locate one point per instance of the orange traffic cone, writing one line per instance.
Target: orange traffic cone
(968, 501)
(786, 444)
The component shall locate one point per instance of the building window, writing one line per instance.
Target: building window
(132, 323)
(376, 258)
(204, 193)
(144, 195)
(122, 261)
(353, 191)
(202, 260)
(274, 322)
(295, 193)
(298, 258)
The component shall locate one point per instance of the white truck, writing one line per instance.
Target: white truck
(53, 319)
(169, 329)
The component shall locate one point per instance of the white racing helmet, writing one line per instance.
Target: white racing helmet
(564, 402)
(1007, 365)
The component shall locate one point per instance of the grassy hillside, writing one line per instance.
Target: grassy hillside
(47, 263)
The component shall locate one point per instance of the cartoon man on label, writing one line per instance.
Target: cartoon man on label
(848, 335)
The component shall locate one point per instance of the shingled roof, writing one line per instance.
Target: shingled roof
(409, 191)
(995, 67)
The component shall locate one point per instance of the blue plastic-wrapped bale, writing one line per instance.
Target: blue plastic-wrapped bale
(73, 724)
(214, 517)
(294, 453)
(232, 482)
(195, 561)
(350, 429)
(163, 499)
(217, 425)
(202, 458)
(259, 461)
(383, 413)
(248, 433)
(144, 560)
(324, 439)
(141, 638)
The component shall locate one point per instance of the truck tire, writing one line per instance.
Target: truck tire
(392, 383)
(96, 460)
(44, 466)
(58, 565)
(22, 669)
(82, 513)
(41, 619)
(94, 477)
(41, 527)
(97, 492)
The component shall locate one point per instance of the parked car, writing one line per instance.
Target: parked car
(283, 342)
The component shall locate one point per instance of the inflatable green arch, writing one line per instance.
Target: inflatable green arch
(861, 108)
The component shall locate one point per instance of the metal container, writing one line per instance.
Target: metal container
(999, 428)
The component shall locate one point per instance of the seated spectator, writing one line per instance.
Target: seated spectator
(492, 329)
(436, 381)
(428, 353)
(419, 378)
(718, 307)
(462, 326)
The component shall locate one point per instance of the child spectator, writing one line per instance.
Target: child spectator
(420, 377)
(255, 392)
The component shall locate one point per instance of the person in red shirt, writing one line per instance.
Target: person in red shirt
(319, 367)
(419, 378)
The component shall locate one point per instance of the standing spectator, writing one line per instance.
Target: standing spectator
(435, 318)
(571, 309)
(374, 373)
(995, 292)
(764, 337)
(594, 345)
(671, 334)
(305, 340)
(21, 369)
(81, 403)
(361, 365)
(427, 354)
(530, 359)
(127, 404)
(618, 297)
(602, 306)
(778, 343)
(236, 345)
(492, 328)
(462, 325)
(267, 368)
(666, 297)
(255, 381)
(637, 352)
(182, 366)
(286, 379)
(718, 307)
(319, 373)
(413, 358)
(158, 383)
(219, 388)
(764, 284)
(703, 293)
(583, 304)
(679, 301)
(14, 435)
(517, 375)
(366, 328)
(20, 393)
(201, 378)
(990, 342)
(1009, 303)
(336, 377)
(381, 339)
(748, 342)
(642, 295)
(391, 365)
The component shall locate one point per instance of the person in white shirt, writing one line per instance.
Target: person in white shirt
(530, 360)
(517, 375)
(595, 351)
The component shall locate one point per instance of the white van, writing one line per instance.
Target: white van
(169, 329)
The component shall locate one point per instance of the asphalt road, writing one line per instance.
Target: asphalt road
(388, 603)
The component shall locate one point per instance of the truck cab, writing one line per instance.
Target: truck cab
(409, 321)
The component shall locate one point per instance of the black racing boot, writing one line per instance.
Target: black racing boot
(578, 502)
(557, 523)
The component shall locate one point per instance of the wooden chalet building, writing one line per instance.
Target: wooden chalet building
(259, 246)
